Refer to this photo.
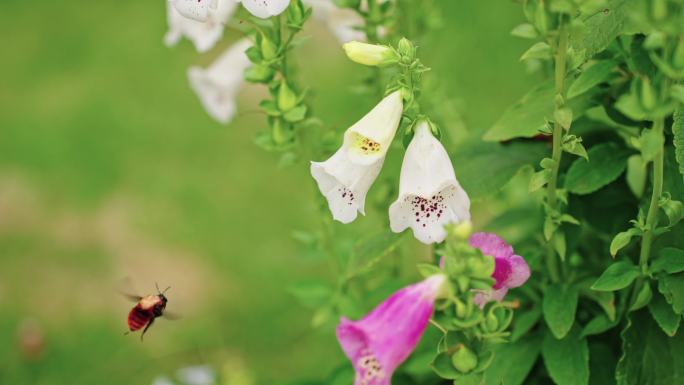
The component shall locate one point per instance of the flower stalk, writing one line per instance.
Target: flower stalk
(652, 216)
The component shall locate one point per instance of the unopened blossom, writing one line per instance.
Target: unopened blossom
(379, 342)
(195, 9)
(204, 33)
(344, 179)
(510, 270)
(430, 197)
(370, 54)
(217, 85)
(265, 8)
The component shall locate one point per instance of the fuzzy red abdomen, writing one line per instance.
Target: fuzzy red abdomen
(138, 318)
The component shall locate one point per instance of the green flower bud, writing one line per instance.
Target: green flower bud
(491, 322)
(269, 50)
(407, 50)
(461, 309)
(648, 98)
(259, 73)
(678, 55)
(281, 132)
(370, 54)
(464, 360)
(463, 230)
(287, 99)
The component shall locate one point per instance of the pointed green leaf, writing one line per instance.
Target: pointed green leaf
(513, 362)
(591, 77)
(670, 260)
(678, 131)
(567, 359)
(606, 162)
(559, 306)
(672, 288)
(617, 276)
(663, 314)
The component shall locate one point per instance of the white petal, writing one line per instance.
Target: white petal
(429, 194)
(203, 34)
(193, 9)
(345, 184)
(340, 21)
(265, 8)
(218, 85)
(369, 139)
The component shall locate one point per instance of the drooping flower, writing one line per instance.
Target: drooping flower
(429, 194)
(342, 22)
(265, 8)
(378, 343)
(217, 86)
(194, 9)
(344, 179)
(204, 32)
(510, 270)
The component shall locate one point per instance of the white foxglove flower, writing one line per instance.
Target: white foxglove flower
(195, 9)
(345, 178)
(340, 21)
(429, 194)
(203, 34)
(217, 86)
(265, 8)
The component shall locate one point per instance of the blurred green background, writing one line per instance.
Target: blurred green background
(110, 168)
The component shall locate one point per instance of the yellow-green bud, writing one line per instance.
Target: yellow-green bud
(287, 99)
(268, 48)
(491, 322)
(370, 54)
(280, 132)
(464, 360)
(463, 230)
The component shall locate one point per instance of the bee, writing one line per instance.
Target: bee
(147, 309)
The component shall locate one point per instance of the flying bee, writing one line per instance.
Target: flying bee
(147, 309)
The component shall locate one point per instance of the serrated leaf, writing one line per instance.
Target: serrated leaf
(591, 77)
(617, 276)
(670, 260)
(648, 355)
(606, 162)
(664, 316)
(672, 288)
(559, 307)
(601, 28)
(513, 362)
(567, 359)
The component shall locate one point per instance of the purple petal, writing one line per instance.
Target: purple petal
(377, 344)
(491, 244)
(520, 272)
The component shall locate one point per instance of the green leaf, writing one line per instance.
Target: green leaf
(559, 244)
(444, 368)
(484, 168)
(617, 276)
(513, 362)
(524, 321)
(663, 314)
(678, 131)
(539, 50)
(605, 299)
(527, 117)
(525, 31)
(670, 260)
(622, 239)
(674, 210)
(597, 325)
(428, 269)
(601, 28)
(650, 144)
(567, 359)
(591, 77)
(637, 173)
(312, 293)
(643, 297)
(296, 114)
(539, 179)
(672, 288)
(606, 162)
(559, 306)
(649, 357)
(564, 117)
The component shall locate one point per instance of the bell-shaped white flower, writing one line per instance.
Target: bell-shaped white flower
(342, 22)
(217, 86)
(429, 194)
(345, 178)
(203, 34)
(195, 9)
(369, 139)
(265, 8)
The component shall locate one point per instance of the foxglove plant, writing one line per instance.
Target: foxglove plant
(264, 8)
(430, 197)
(203, 27)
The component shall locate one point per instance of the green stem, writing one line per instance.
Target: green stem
(653, 208)
(557, 152)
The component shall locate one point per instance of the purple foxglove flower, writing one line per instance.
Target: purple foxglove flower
(510, 270)
(377, 344)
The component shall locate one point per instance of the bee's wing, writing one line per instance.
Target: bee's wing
(124, 288)
(131, 297)
(171, 316)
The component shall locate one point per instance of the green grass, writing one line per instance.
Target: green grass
(108, 165)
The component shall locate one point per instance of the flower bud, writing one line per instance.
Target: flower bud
(407, 50)
(491, 322)
(370, 54)
(463, 230)
(464, 360)
(281, 132)
(269, 50)
(287, 99)
(678, 55)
